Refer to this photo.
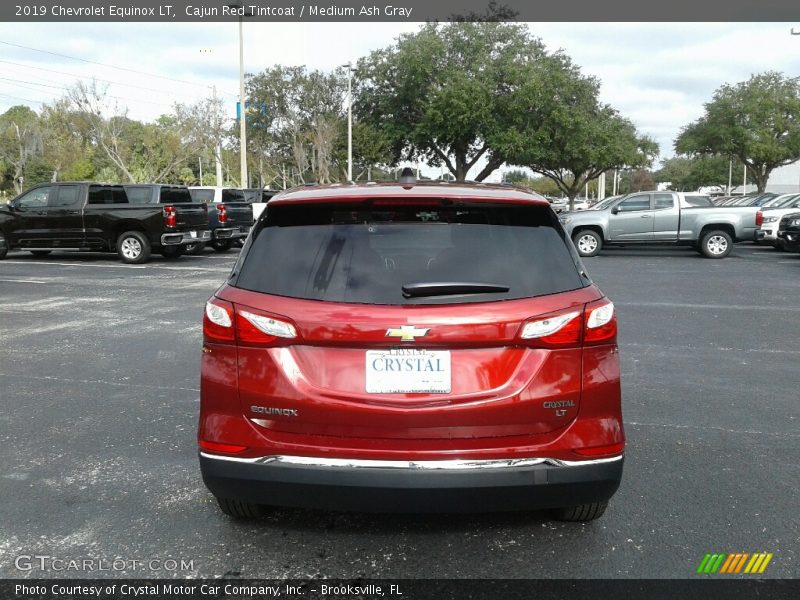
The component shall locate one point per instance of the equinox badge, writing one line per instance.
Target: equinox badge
(406, 333)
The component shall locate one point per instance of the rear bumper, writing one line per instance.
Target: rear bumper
(230, 233)
(179, 238)
(401, 486)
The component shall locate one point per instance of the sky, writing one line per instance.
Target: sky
(656, 74)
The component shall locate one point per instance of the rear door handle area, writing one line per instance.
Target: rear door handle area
(645, 216)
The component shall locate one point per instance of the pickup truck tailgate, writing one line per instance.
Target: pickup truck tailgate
(191, 216)
(239, 213)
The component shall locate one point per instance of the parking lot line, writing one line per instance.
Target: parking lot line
(22, 281)
(712, 306)
(60, 264)
(151, 266)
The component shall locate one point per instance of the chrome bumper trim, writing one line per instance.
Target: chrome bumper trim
(502, 463)
(177, 238)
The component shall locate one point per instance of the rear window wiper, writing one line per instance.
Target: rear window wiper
(447, 288)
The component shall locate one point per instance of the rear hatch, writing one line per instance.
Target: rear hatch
(189, 214)
(400, 320)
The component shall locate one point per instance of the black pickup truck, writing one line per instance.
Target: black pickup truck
(230, 215)
(789, 232)
(83, 216)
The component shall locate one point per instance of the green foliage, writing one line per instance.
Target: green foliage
(756, 121)
(565, 133)
(687, 173)
(444, 94)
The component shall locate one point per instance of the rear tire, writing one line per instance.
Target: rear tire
(3, 247)
(133, 247)
(172, 251)
(584, 512)
(239, 509)
(222, 245)
(716, 244)
(588, 242)
(41, 252)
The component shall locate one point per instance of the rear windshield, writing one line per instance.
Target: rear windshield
(203, 196)
(366, 254)
(232, 195)
(175, 195)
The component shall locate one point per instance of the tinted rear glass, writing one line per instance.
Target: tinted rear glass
(232, 195)
(205, 195)
(175, 195)
(365, 255)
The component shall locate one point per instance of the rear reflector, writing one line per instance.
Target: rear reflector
(216, 447)
(602, 450)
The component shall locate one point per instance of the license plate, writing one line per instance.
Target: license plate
(408, 371)
(193, 234)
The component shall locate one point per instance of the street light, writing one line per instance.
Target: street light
(242, 100)
(349, 67)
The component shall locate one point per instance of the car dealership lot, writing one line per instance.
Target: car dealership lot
(99, 367)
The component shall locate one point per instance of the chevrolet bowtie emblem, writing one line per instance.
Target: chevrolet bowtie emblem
(406, 333)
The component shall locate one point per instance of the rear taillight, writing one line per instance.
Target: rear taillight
(224, 323)
(759, 218)
(601, 322)
(595, 324)
(222, 213)
(559, 329)
(218, 322)
(256, 328)
(170, 216)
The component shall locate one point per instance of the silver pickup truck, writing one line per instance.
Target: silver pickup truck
(659, 218)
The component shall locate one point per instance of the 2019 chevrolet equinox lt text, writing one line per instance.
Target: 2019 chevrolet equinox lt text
(412, 348)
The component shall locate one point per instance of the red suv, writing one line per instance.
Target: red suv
(428, 347)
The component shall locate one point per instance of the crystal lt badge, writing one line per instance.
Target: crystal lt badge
(406, 333)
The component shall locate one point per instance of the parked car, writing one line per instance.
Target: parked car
(410, 347)
(83, 216)
(659, 218)
(770, 219)
(230, 215)
(789, 232)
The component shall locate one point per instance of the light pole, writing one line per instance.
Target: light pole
(242, 100)
(349, 67)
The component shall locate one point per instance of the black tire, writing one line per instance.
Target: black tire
(222, 245)
(3, 247)
(195, 249)
(584, 512)
(779, 246)
(172, 251)
(239, 509)
(133, 247)
(588, 242)
(716, 244)
(41, 252)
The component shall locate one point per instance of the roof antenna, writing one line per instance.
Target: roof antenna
(407, 178)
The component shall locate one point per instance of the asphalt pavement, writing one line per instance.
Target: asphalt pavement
(99, 368)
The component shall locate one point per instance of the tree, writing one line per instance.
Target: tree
(65, 139)
(300, 123)
(688, 173)
(565, 133)
(20, 140)
(756, 121)
(442, 94)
